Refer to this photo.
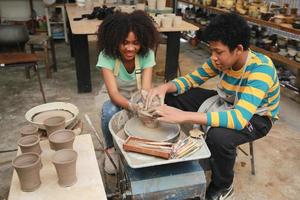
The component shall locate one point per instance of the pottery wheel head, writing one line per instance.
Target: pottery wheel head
(163, 132)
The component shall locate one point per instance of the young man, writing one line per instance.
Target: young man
(248, 84)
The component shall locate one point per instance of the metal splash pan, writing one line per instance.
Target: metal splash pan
(137, 160)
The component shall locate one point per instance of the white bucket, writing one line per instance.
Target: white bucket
(151, 4)
(161, 4)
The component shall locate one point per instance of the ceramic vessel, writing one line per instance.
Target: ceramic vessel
(29, 130)
(166, 22)
(62, 139)
(54, 123)
(151, 4)
(65, 164)
(27, 166)
(30, 143)
(160, 4)
(140, 6)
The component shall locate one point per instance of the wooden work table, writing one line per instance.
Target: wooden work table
(89, 183)
(79, 30)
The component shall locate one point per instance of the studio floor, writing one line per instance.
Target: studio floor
(277, 157)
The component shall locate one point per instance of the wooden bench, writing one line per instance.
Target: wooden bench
(20, 59)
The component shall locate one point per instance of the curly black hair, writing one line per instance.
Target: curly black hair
(114, 30)
(231, 29)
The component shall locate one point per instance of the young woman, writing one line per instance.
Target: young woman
(126, 59)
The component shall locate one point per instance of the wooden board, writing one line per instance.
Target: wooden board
(130, 145)
(89, 182)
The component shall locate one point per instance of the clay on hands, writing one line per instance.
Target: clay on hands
(146, 115)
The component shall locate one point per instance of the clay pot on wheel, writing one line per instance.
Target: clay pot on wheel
(62, 139)
(54, 123)
(30, 143)
(28, 167)
(65, 164)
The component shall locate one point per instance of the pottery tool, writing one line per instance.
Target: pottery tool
(100, 141)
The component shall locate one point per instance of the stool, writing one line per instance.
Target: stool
(19, 59)
(251, 151)
(44, 43)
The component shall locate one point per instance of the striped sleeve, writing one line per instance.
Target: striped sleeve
(259, 82)
(196, 78)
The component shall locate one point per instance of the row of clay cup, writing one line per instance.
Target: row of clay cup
(168, 20)
(28, 164)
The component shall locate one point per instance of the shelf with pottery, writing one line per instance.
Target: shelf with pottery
(280, 26)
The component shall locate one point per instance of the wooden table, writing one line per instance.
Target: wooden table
(79, 30)
(89, 182)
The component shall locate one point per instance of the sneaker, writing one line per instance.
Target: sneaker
(221, 194)
(108, 166)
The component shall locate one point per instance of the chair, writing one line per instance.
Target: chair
(44, 43)
(251, 152)
(12, 50)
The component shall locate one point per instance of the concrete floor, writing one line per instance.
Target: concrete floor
(277, 155)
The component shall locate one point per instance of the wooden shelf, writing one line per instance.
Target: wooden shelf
(250, 19)
(277, 57)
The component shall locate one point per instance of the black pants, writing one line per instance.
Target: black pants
(222, 142)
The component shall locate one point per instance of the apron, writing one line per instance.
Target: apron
(223, 101)
(128, 88)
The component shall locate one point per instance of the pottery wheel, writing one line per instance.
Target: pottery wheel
(163, 133)
(42, 116)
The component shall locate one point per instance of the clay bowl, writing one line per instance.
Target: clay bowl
(54, 123)
(296, 25)
(61, 139)
(30, 143)
(29, 130)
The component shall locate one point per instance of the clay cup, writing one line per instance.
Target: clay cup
(65, 164)
(27, 166)
(30, 143)
(29, 130)
(54, 123)
(62, 139)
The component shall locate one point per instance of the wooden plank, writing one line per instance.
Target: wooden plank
(16, 58)
(89, 182)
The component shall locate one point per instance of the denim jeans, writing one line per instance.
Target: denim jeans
(108, 110)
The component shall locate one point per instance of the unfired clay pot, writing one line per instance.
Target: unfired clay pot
(28, 168)
(65, 164)
(29, 130)
(54, 123)
(30, 143)
(62, 139)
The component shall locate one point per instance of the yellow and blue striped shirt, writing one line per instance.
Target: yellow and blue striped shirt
(259, 88)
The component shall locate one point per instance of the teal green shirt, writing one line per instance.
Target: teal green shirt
(107, 62)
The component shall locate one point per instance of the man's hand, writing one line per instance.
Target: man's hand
(159, 91)
(170, 114)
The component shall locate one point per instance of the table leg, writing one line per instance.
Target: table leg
(172, 63)
(82, 62)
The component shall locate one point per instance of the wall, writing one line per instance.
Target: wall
(19, 10)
